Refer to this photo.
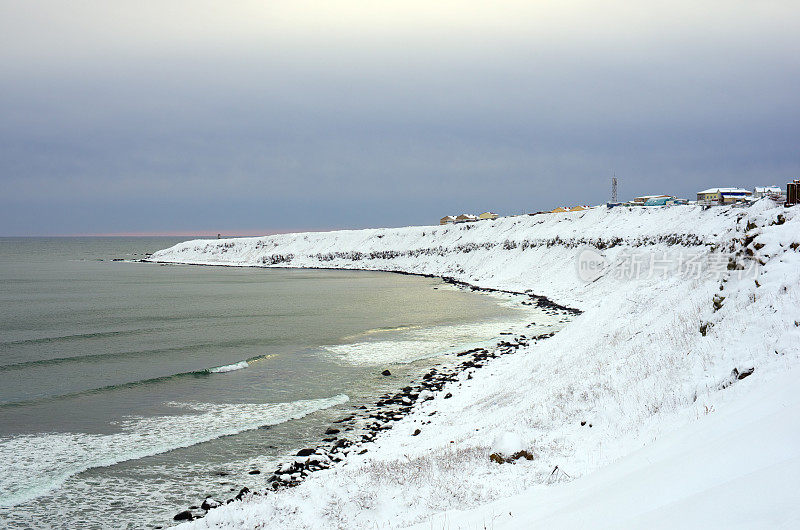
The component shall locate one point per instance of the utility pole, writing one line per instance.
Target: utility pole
(614, 188)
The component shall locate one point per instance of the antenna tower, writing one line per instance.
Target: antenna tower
(614, 188)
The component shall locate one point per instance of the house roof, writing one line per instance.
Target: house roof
(645, 197)
(725, 190)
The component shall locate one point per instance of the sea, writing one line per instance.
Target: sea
(130, 390)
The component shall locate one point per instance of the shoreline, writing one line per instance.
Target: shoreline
(350, 433)
(541, 301)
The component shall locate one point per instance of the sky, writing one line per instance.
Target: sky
(179, 116)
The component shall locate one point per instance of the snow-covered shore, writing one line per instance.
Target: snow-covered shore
(686, 304)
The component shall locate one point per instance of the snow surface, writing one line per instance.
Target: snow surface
(507, 444)
(634, 412)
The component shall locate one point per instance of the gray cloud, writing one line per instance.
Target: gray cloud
(298, 122)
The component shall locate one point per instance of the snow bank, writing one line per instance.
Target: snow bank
(690, 312)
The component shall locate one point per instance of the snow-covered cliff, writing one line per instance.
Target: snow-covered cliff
(686, 312)
(519, 253)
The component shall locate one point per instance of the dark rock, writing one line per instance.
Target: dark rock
(332, 431)
(210, 503)
(244, 491)
(386, 373)
(194, 507)
(306, 452)
(448, 395)
(583, 423)
(416, 432)
(185, 515)
(523, 454)
(746, 372)
(254, 472)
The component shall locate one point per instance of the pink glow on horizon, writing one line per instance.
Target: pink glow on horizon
(200, 233)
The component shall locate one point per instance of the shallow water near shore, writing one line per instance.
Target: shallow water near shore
(128, 390)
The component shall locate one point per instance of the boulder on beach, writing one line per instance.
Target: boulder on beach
(185, 515)
(242, 493)
(386, 373)
(210, 503)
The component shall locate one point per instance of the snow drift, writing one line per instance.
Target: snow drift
(687, 311)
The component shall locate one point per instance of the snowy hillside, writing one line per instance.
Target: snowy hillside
(515, 253)
(688, 342)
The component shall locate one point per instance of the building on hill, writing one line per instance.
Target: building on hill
(488, 215)
(658, 201)
(562, 209)
(447, 219)
(639, 201)
(767, 191)
(793, 193)
(723, 195)
(466, 218)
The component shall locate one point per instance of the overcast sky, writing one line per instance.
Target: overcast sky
(192, 116)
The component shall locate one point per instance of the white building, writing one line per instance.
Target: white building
(766, 191)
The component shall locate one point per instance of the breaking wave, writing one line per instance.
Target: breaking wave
(35, 464)
(196, 373)
(229, 367)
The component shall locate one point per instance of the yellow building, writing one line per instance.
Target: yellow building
(488, 215)
(723, 195)
(578, 208)
(466, 218)
(560, 209)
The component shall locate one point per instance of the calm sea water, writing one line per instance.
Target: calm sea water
(129, 390)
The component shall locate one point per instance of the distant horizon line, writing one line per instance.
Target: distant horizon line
(199, 233)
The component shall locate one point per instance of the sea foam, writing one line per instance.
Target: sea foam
(37, 463)
(229, 367)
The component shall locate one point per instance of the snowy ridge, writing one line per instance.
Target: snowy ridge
(514, 253)
(656, 361)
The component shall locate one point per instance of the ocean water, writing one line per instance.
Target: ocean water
(130, 390)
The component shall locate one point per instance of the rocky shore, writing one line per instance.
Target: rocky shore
(353, 433)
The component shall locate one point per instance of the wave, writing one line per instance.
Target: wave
(37, 463)
(229, 367)
(77, 336)
(384, 329)
(132, 353)
(417, 343)
(130, 384)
